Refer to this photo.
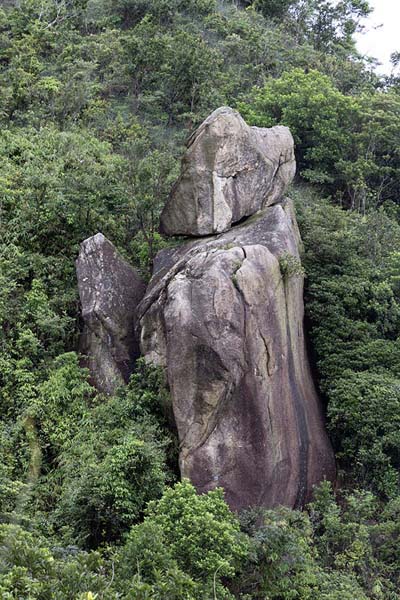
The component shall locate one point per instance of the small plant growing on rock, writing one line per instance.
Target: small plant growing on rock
(290, 266)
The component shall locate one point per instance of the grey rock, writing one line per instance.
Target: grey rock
(110, 290)
(227, 326)
(229, 171)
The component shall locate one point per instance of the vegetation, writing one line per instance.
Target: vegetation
(347, 143)
(96, 100)
(353, 306)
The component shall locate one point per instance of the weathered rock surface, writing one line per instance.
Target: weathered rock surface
(229, 171)
(110, 290)
(228, 328)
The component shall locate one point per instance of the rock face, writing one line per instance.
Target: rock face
(224, 316)
(110, 290)
(229, 171)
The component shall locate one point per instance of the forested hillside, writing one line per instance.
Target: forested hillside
(97, 98)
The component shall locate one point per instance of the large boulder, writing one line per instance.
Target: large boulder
(224, 317)
(229, 171)
(110, 290)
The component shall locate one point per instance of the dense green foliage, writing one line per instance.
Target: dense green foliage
(96, 100)
(348, 143)
(185, 545)
(192, 547)
(354, 308)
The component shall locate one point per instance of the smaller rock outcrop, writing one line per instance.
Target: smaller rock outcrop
(110, 290)
(229, 171)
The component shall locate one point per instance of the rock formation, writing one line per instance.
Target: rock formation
(110, 290)
(228, 327)
(229, 171)
(224, 316)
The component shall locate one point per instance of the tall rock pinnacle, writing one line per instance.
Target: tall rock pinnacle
(224, 316)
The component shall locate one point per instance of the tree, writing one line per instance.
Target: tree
(274, 9)
(114, 462)
(347, 145)
(193, 537)
(29, 569)
(354, 311)
(318, 115)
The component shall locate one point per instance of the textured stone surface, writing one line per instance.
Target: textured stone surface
(110, 290)
(228, 328)
(229, 171)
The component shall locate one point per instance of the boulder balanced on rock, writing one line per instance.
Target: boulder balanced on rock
(110, 290)
(229, 171)
(224, 316)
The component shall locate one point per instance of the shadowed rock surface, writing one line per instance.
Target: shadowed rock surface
(228, 327)
(110, 290)
(229, 171)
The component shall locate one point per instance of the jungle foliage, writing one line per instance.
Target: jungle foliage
(97, 98)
